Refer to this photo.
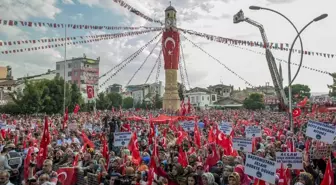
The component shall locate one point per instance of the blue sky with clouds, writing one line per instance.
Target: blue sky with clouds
(212, 16)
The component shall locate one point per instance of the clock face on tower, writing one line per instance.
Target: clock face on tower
(169, 23)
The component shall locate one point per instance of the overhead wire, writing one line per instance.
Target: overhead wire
(156, 62)
(136, 72)
(135, 53)
(127, 61)
(284, 61)
(226, 67)
(185, 67)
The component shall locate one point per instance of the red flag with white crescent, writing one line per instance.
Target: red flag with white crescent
(66, 176)
(90, 91)
(171, 49)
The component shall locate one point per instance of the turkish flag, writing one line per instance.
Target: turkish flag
(171, 49)
(90, 91)
(66, 176)
(296, 112)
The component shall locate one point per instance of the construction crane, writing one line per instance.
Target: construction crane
(276, 78)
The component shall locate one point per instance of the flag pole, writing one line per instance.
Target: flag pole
(64, 85)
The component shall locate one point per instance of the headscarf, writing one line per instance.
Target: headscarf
(209, 178)
(236, 176)
(178, 178)
(244, 179)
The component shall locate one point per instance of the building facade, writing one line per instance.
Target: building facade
(145, 92)
(116, 88)
(222, 91)
(81, 71)
(20, 85)
(7, 84)
(200, 97)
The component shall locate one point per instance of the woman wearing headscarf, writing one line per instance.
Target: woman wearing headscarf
(244, 179)
(208, 179)
(175, 177)
(234, 179)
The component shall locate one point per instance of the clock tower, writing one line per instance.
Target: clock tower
(171, 55)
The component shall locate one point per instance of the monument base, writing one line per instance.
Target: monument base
(171, 101)
(171, 98)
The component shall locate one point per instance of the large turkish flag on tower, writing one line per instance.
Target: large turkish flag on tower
(171, 49)
(90, 91)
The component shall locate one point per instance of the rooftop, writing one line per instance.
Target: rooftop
(34, 76)
(170, 8)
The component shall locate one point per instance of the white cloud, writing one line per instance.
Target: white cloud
(213, 17)
(22, 9)
(68, 2)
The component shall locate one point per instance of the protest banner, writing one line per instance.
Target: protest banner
(225, 127)
(260, 168)
(242, 144)
(321, 131)
(320, 152)
(253, 131)
(291, 160)
(188, 126)
(122, 138)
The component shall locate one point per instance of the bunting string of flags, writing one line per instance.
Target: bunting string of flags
(281, 60)
(226, 67)
(271, 45)
(95, 38)
(71, 26)
(136, 12)
(125, 62)
(62, 39)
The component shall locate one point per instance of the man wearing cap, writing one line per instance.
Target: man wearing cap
(13, 162)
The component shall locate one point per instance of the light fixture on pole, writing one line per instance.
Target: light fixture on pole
(290, 80)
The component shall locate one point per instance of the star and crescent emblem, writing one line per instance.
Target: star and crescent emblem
(170, 39)
(62, 174)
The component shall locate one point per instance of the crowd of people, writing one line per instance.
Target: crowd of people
(159, 149)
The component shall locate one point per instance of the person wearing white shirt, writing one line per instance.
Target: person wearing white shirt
(4, 178)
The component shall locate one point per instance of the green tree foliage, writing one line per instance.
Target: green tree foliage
(158, 102)
(299, 91)
(45, 96)
(107, 101)
(332, 88)
(255, 101)
(127, 103)
(180, 91)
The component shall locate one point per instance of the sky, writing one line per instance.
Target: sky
(212, 17)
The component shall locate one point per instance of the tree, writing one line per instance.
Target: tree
(299, 91)
(255, 101)
(127, 103)
(332, 88)
(181, 88)
(46, 96)
(157, 102)
(107, 101)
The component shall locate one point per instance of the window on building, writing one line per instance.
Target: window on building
(192, 99)
(70, 81)
(57, 74)
(82, 81)
(69, 65)
(197, 98)
(213, 98)
(69, 73)
(208, 98)
(202, 98)
(76, 73)
(9, 88)
(58, 67)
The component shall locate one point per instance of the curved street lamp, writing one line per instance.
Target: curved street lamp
(290, 80)
(297, 32)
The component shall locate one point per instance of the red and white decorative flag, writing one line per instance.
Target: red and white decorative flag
(90, 91)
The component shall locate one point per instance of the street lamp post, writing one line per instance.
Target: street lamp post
(290, 80)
